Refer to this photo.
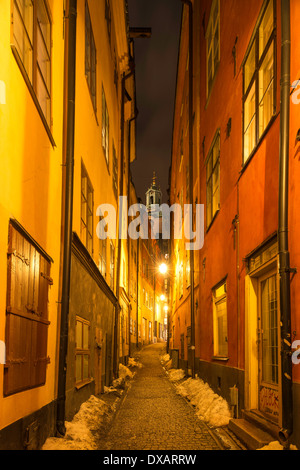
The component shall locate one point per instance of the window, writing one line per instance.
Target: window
(259, 79)
(102, 257)
(115, 173)
(105, 128)
(90, 57)
(82, 351)
(27, 322)
(213, 181)
(212, 45)
(112, 265)
(87, 205)
(180, 278)
(220, 321)
(31, 45)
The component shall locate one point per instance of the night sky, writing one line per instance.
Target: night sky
(156, 68)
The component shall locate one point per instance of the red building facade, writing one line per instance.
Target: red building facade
(236, 116)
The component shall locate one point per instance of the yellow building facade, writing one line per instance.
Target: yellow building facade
(31, 115)
(60, 339)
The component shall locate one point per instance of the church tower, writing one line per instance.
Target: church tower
(153, 195)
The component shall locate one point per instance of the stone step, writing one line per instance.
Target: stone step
(256, 418)
(252, 437)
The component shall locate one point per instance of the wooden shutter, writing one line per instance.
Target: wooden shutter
(28, 276)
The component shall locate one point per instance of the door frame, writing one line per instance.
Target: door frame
(252, 292)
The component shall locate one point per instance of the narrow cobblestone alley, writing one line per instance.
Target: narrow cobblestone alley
(153, 417)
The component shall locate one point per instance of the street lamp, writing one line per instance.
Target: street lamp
(163, 268)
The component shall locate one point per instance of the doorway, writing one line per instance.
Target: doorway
(262, 335)
(268, 346)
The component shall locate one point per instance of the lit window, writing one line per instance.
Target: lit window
(87, 204)
(105, 128)
(259, 79)
(90, 57)
(213, 181)
(220, 321)
(82, 368)
(212, 44)
(31, 44)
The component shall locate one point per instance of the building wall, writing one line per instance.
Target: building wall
(248, 213)
(31, 189)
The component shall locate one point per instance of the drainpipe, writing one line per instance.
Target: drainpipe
(191, 174)
(68, 215)
(284, 256)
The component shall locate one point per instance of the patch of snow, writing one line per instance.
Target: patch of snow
(275, 445)
(81, 432)
(134, 363)
(210, 407)
(176, 374)
(165, 358)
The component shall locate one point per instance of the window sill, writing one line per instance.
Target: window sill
(220, 358)
(33, 94)
(83, 384)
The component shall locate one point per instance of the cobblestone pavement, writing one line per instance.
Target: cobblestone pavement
(153, 417)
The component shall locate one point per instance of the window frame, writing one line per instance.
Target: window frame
(218, 300)
(91, 53)
(217, 165)
(31, 82)
(210, 46)
(254, 82)
(105, 128)
(82, 352)
(89, 212)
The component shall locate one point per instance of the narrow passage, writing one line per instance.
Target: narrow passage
(153, 417)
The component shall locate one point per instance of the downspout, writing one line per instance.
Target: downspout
(68, 215)
(191, 174)
(284, 256)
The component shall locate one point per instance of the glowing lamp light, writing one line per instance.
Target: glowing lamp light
(163, 268)
(162, 297)
(166, 308)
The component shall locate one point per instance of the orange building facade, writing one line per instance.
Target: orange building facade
(235, 147)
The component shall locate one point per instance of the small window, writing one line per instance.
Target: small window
(82, 351)
(31, 44)
(87, 207)
(90, 57)
(259, 103)
(212, 45)
(213, 181)
(105, 128)
(220, 321)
